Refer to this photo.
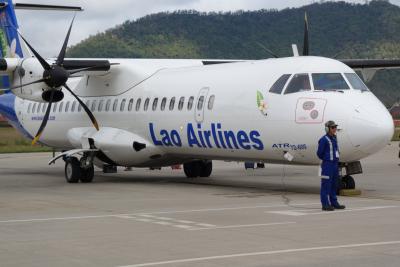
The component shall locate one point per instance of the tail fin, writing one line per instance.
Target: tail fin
(9, 39)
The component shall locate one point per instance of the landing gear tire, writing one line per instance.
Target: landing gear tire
(87, 175)
(206, 169)
(73, 171)
(198, 169)
(192, 169)
(349, 182)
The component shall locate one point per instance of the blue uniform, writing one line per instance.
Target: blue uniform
(328, 152)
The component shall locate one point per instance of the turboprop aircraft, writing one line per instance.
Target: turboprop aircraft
(162, 112)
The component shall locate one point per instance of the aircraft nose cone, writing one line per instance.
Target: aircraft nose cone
(370, 129)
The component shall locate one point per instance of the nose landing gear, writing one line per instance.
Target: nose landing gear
(347, 182)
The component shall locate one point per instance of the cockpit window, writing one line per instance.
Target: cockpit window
(329, 81)
(356, 82)
(299, 82)
(278, 86)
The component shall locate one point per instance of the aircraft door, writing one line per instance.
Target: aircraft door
(200, 104)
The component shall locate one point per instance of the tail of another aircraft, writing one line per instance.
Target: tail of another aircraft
(10, 45)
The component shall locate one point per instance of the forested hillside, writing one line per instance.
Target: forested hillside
(337, 29)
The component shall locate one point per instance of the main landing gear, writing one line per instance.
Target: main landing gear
(79, 170)
(199, 168)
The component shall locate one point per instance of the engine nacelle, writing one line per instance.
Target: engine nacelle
(27, 71)
(122, 147)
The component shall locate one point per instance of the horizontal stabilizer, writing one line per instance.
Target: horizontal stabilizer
(46, 7)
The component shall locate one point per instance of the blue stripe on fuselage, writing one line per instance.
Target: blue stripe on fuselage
(7, 109)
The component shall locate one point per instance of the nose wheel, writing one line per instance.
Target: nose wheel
(346, 183)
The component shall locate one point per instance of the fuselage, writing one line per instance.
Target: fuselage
(224, 111)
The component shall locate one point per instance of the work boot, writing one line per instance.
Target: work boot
(339, 207)
(328, 208)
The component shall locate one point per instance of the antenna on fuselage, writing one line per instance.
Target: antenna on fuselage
(295, 50)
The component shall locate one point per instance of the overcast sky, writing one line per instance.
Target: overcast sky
(47, 29)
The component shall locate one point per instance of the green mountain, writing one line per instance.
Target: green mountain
(339, 29)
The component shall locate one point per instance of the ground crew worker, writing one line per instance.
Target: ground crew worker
(328, 152)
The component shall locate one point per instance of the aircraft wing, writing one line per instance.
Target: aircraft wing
(376, 64)
(369, 67)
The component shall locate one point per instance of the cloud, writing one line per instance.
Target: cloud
(47, 29)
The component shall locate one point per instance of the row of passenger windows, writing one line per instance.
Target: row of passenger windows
(127, 105)
(321, 81)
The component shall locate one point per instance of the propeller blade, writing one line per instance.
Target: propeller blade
(26, 84)
(61, 56)
(306, 44)
(42, 61)
(267, 50)
(90, 114)
(45, 119)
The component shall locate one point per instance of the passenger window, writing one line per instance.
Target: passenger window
(299, 82)
(73, 106)
(138, 103)
(146, 104)
(211, 102)
(329, 81)
(278, 86)
(94, 103)
(108, 105)
(67, 107)
(29, 108)
(39, 108)
(60, 109)
(172, 104)
(181, 103)
(122, 107)
(101, 104)
(44, 108)
(190, 103)
(200, 103)
(155, 104)
(115, 105)
(34, 108)
(356, 82)
(55, 107)
(130, 105)
(163, 103)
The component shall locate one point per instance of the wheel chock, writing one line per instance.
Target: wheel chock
(350, 192)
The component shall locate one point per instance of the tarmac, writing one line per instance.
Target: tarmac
(263, 217)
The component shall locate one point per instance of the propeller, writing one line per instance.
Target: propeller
(306, 44)
(267, 50)
(56, 76)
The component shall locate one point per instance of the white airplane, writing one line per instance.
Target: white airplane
(161, 112)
